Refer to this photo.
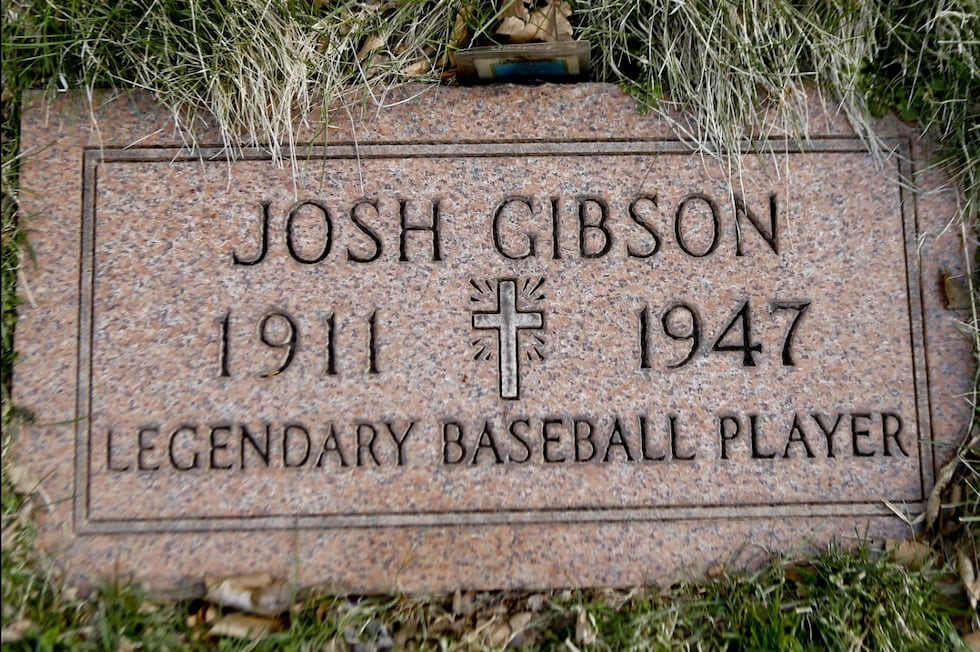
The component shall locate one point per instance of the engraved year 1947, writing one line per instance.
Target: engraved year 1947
(681, 321)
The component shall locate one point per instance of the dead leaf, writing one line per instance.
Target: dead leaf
(552, 22)
(461, 28)
(8, 537)
(243, 626)
(547, 24)
(514, 27)
(420, 67)
(273, 599)
(405, 634)
(715, 571)
(461, 35)
(14, 632)
(70, 594)
(371, 43)
(14, 524)
(584, 628)
(968, 576)
(535, 602)
(499, 635)
(520, 620)
(258, 593)
(377, 64)
(911, 554)
(516, 8)
(334, 645)
(23, 480)
(521, 636)
(126, 645)
(956, 293)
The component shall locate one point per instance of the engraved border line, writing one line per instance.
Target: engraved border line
(488, 518)
(92, 157)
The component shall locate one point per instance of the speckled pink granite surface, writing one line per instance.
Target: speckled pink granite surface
(510, 400)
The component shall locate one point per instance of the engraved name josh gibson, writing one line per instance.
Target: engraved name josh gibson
(508, 320)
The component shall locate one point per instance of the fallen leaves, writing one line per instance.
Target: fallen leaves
(956, 291)
(14, 524)
(238, 625)
(252, 606)
(913, 555)
(968, 574)
(25, 482)
(585, 627)
(372, 43)
(547, 24)
(258, 601)
(257, 593)
(14, 632)
(379, 51)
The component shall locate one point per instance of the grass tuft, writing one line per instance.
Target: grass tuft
(724, 64)
(927, 69)
(837, 600)
(253, 67)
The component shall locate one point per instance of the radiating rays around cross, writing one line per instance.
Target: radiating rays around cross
(482, 290)
(483, 347)
(533, 349)
(531, 289)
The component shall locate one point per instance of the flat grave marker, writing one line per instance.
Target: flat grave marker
(489, 338)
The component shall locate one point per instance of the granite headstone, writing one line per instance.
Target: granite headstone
(485, 338)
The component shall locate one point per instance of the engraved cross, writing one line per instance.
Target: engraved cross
(507, 320)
